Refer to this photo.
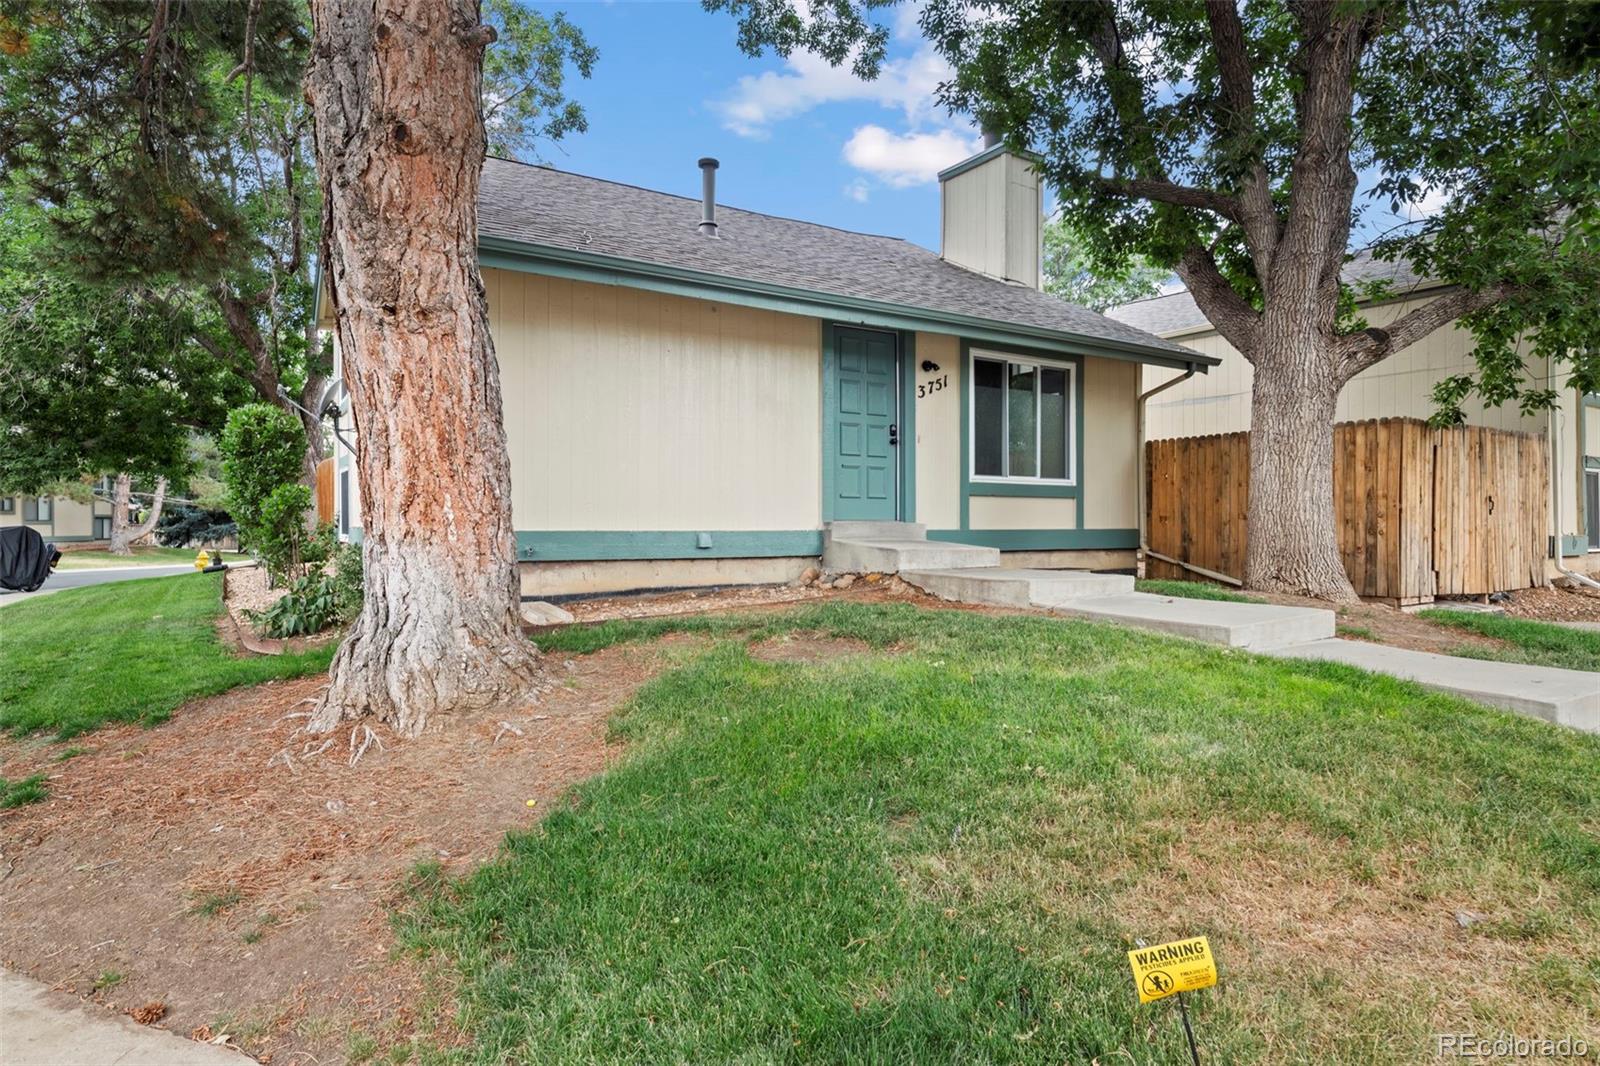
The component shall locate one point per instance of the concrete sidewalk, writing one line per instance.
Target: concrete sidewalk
(41, 1027)
(1565, 697)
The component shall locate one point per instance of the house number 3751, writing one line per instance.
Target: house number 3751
(933, 385)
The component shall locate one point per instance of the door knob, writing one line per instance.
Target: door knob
(894, 434)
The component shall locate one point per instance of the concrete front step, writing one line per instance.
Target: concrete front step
(1565, 697)
(874, 531)
(1017, 588)
(1255, 626)
(893, 556)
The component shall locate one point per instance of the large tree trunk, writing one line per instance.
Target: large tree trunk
(122, 535)
(1293, 543)
(400, 144)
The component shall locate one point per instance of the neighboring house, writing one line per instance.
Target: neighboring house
(59, 519)
(690, 402)
(1400, 386)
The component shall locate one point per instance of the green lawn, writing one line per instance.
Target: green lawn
(128, 651)
(1191, 590)
(939, 850)
(101, 558)
(1538, 643)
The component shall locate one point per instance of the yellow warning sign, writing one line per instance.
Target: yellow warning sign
(1181, 966)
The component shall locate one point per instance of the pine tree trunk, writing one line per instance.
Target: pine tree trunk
(400, 144)
(1293, 543)
(122, 536)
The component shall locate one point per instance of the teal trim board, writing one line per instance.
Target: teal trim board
(503, 254)
(542, 546)
(908, 426)
(971, 488)
(1041, 540)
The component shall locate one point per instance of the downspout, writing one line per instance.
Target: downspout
(1144, 489)
(1555, 486)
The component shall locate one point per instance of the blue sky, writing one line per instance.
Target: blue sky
(795, 138)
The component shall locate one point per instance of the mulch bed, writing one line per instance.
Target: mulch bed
(230, 873)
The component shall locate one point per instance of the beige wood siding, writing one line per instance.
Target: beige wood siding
(992, 218)
(939, 433)
(630, 410)
(1399, 387)
(1022, 512)
(1109, 463)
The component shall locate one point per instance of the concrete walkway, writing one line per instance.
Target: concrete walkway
(40, 1027)
(1565, 697)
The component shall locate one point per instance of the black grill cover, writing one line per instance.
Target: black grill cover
(25, 559)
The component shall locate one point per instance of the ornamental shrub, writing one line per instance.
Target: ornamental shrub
(263, 448)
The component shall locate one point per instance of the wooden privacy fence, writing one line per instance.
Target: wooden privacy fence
(1420, 512)
(324, 491)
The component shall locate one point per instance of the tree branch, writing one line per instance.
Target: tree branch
(1224, 308)
(1358, 351)
(1257, 216)
(1168, 192)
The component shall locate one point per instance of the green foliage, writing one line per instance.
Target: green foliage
(524, 74)
(93, 380)
(1169, 148)
(1072, 272)
(1526, 640)
(128, 651)
(182, 526)
(1192, 590)
(279, 536)
(348, 581)
(30, 789)
(317, 600)
(144, 173)
(262, 447)
(938, 847)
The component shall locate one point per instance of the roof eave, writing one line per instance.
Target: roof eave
(510, 254)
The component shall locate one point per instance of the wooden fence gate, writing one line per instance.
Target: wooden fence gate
(1420, 512)
(325, 492)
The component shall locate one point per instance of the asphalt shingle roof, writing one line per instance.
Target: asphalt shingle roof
(1178, 311)
(541, 206)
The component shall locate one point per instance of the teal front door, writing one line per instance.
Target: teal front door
(864, 416)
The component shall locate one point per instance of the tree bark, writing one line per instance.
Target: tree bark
(122, 536)
(1293, 544)
(400, 145)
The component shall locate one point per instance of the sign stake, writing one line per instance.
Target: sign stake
(1183, 1012)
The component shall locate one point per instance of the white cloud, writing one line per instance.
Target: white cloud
(858, 190)
(807, 81)
(1433, 201)
(902, 159)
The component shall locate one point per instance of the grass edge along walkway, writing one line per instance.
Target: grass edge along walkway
(126, 651)
(1522, 640)
(939, 848)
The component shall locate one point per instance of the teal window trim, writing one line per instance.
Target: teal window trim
(8, 505)
(505, 254)
(1054, 490)
(1011, 540)
(545, 546)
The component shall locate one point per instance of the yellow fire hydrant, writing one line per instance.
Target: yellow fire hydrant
(202, 560)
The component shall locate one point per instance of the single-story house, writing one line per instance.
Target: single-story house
(693, 393)
(1399, 387)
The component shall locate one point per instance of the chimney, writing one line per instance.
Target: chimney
(992, 214)
(708, 197)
